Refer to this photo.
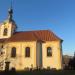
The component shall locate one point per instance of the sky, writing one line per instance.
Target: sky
(55, 15)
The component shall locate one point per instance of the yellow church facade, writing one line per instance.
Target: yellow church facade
(29, 49)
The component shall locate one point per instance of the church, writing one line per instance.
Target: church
(28, 49)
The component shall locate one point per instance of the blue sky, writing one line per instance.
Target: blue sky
(55, 15)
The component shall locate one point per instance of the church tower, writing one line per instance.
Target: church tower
(8, 27)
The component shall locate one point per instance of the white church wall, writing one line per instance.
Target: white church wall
(55, 60)
(20, 62)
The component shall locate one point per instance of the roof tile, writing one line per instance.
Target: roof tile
(43, 35)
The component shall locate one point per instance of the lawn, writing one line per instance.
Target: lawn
(39, 72)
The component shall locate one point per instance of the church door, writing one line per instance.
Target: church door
(7, 66)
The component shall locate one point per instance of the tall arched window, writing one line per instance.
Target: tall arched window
(5, 32)
(13, 52)
(27, 52)
(49, 51)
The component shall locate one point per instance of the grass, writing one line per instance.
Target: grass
(39, 72)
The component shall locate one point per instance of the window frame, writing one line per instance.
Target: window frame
(5, 32)
(13, 52)
(49, 51)
(27, 52)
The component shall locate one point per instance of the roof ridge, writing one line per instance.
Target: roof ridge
(32, 30)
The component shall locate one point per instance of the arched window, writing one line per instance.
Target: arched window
(2, 46)
(13, 52)
(27, 52)
(49, 51)
(5, 32)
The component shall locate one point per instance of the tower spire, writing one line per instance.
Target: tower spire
(10, 12)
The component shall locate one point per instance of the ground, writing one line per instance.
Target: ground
(43, 72)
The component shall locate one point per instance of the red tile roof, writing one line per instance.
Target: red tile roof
(43, 35)
(2, 40)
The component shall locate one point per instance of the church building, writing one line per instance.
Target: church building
(28, 49)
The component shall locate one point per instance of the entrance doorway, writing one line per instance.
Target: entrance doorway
(7, 66)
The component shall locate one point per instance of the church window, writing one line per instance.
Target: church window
(2, 46)
(27, 52)
(13, 52)
(49, 51)
(5, 32)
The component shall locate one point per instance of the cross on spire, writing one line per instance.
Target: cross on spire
(10, 12)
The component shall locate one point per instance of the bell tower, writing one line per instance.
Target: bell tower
(8, 27)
